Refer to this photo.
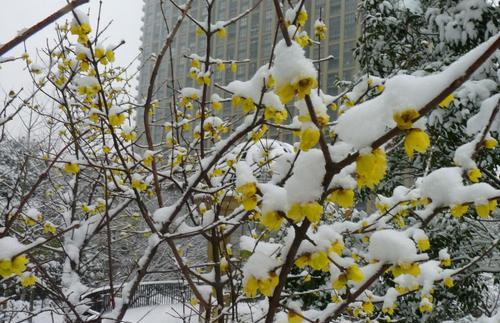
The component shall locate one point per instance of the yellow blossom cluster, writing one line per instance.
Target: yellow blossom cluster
(300, 89)
(104, 56)
(405, 268)
(271, 113)
(248, 195)
(247, 104)
(316, 260)
(309, 137)
(371, 168)
(81, 30)
(266, 286)
(14, 266)
(320, 30)
(310, 210)
(71, 167)
(342, 197)
(416, 139)
(352, 273)
(272, 220)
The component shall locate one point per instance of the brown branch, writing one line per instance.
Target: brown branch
(337, 167)
(149, 97)
(40, 25)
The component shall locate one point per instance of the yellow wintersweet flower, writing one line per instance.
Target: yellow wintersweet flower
(272, 220)
(309, 137)
(247, 105)
(199, 31)
(343, 197)
(490, 143)
(425, 306)
(247, 189)
(459, 210)
(286, 93)
(293, 317)
(216, 105)
(355, 274)
(5, 268)
(206, 80)
(303, 40)
(448, 282)
(251, 287)
(368, 308)
(256, 135)
(446, 102)
(483, 210)
(423, 244)
(99, 53)
(234, 67)
(139, 185)
(320, 31)
(267, 285)
(312, 211)
(389, 309)
(116, 120)
(194, 301)
(337, 247)
(302, 17)
(303, 260)
(278, 115)
(406, 268)
(221, 33)
(304, 86)
(319, 261)
(236, 100)
(71, 168)
(474, 174)
(128, 136)
(110, 55)
(301, 88)
(249, 203)
(340, 283)
(371, 168)
(270, 82)
(404, 119)
(221, 67)
(295, 213)
(49, 228)
(416, 140)
(19, 264)
(446, 262)
(28, 281)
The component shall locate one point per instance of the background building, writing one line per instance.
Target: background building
(250, 38)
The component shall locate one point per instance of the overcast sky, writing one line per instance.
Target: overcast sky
(16, 15)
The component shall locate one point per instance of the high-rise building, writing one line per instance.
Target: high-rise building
(250, 38)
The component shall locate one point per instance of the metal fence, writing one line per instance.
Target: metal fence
(147, 294)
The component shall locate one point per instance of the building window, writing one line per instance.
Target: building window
(350, 26)
(334, 28)
(335, 8)
(348, 54)
(333, 63)
(350, 5)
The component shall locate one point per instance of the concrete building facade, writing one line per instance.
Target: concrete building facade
(250, 38)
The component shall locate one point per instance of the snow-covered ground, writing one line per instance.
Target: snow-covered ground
(170, 313)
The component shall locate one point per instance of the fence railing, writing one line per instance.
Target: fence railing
(148, 294)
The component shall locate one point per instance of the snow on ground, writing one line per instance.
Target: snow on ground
(164, 313)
